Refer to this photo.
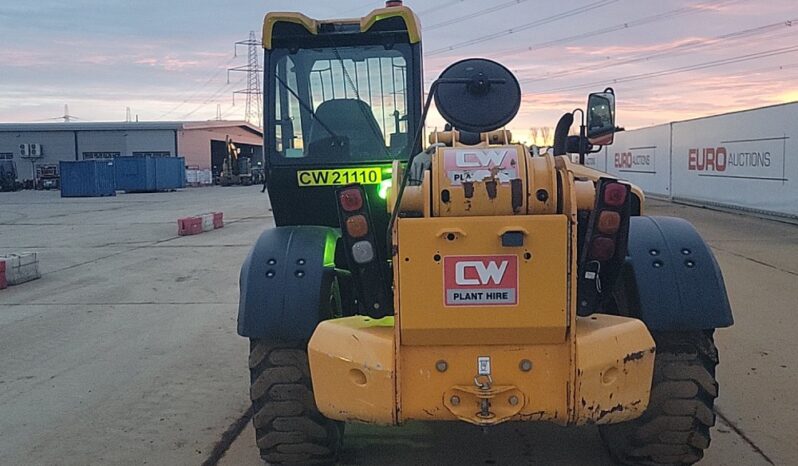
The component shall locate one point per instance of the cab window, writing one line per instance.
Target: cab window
(344, 103)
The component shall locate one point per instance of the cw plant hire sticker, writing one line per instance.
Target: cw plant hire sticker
(480, 280)
(467, 165)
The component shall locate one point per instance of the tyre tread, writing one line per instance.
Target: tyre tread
(289, 428)
(674, 429)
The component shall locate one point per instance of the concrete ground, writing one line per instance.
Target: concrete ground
(125, 352)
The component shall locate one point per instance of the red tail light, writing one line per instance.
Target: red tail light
(615, 194)
(602, 249)
(351, 199)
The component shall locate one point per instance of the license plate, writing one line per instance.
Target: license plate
(339, 176)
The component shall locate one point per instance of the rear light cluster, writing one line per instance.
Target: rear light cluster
(605, 243)
(362, 256)
(355, 224)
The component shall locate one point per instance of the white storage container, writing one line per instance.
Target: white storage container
(21, 268)
(205, 177)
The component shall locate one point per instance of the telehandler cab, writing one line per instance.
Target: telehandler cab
(468, 280)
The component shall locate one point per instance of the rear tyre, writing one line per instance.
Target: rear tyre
(289, 428)
(674, 429)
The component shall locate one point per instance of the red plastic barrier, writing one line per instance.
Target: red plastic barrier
(196, 224)
(189, 226)
(3, 281)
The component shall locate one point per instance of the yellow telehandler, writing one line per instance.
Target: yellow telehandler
(459, 278)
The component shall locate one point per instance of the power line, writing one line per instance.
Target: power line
(362, 7)
(678, 48)
(369, 6)
(439, 6)
(217, 93)
(722, 84)
(740, 89)
(699, 8)
(524, 27)
(229, 111)
(677, 70)
(252, 72)
(200, 88)
(725, 79)
(475, 14)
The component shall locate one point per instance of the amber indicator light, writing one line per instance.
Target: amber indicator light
(356, 226)
(609, 222)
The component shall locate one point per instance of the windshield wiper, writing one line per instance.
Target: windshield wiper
(307, 107)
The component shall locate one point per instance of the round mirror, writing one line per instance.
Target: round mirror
(477, 95)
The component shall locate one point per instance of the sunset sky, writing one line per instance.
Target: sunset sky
(166, 60)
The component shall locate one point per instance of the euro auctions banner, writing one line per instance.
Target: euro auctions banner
(642, 157)
(746, 159)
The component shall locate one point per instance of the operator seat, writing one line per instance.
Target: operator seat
(349, 119)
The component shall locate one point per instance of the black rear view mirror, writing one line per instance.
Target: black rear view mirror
(601, 117)
(477, 95)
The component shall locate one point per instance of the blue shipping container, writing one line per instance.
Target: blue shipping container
(170, 173)
(135, 174)
(87, 178)
(150, 174)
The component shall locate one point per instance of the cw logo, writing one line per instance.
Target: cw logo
(485, 273)
(482, 158)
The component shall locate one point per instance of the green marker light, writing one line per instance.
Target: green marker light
(385, 186)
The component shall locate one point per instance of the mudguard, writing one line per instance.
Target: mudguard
(671, 278)
(285, 283)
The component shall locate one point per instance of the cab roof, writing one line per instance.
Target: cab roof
(408, 23)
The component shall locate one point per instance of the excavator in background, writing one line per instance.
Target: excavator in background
(465, 279)
(235, 170)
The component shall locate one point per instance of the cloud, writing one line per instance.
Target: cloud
(16, 58)
(169, 63)
(102, 55)
(98, 59)
(620, 51)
